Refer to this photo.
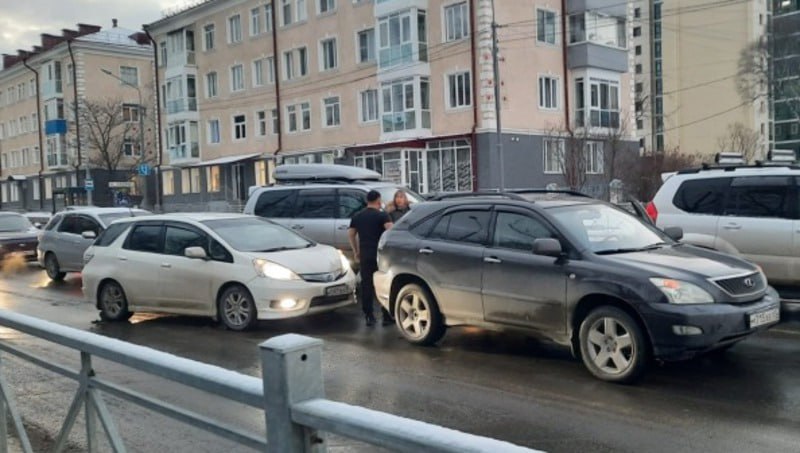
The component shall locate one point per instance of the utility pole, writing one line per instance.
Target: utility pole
(499, 131)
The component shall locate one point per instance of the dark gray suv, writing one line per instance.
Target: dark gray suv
(576, 270)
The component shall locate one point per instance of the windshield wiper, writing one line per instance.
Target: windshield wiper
(655, 246)
(276, 249)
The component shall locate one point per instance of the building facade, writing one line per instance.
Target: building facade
(785, 51)
(405, 87)
(686, 60)
(42, 154)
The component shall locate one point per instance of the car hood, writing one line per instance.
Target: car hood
(681, 259)
(27, 235)
(313, 260)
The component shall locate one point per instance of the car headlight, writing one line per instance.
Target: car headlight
(275, 271)
(345, 261)
(680, 292)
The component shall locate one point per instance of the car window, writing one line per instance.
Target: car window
(111, 234)
(315, 204)
(276, 204)
(424, 228)
(69, 225)
(108, 218)
(218, 252)
(463, 226)
(765, 196)
(84, 223)
(14, 222)
(53, 222)
(145, 238)
(518, 231)
(702, 196)
(250, 234)
(177, 240)
(351, 202)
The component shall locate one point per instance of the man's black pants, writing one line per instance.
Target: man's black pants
(368, 268)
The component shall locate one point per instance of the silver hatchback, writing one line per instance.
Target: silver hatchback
(70, 233)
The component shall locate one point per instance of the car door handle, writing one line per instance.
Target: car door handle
(166, 265)
(343, 227)
(492, 260)
(732, 226)
(122, 258)
(426, 251)
(297, 227)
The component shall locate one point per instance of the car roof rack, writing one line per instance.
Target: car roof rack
(758, 164)
(551, 191)
(477, 194)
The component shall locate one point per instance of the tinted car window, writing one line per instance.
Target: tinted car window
(177, 240)
(69, 225)
(53, 222)
(702, 196)
(759, 197)
(463, 226)
(87, 224)
(111, 234)
(14, 222)
(108, 218)
(276, 204)
(145, 238)
(351, 202)
(518, 231)
(315, 204)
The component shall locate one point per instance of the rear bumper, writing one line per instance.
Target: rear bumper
(720, 324)
(383, 287)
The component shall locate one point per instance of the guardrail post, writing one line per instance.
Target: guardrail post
(291, 367)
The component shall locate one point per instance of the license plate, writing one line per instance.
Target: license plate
(30, 253)
(765, 317)
(338, 290)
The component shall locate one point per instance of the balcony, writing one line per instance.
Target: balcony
(181, 105)
(58, 126)
(52, 88)
(591, 55)
(184, 153)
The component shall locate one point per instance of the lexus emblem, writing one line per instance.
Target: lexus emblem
(748, 282)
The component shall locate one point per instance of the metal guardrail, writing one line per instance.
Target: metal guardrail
(291, 394)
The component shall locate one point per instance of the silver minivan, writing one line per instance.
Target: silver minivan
(70, 233)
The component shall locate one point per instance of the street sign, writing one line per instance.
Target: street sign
(89, 185)
(120, 185)
(144, 170)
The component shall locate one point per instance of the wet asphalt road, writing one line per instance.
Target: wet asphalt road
(499, 385)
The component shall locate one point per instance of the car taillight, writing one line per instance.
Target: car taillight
(651, 210)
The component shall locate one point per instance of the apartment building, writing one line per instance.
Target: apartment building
(785, 35)
(405, 87)
(686, 61)
(41, 154)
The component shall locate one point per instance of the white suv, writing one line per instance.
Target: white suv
(753, 211)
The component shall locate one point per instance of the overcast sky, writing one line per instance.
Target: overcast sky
(22, 21)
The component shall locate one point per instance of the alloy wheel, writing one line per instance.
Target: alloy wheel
(610, 346)
(414, 315)
(113, 300)
(236, 309)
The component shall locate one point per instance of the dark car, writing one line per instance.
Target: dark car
(576, 270)
(17, 236)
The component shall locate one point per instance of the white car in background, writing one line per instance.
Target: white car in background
(232, 267)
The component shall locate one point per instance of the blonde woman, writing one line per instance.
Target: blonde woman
(399, 206)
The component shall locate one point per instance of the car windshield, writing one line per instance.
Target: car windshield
(108, 218)
(387, 194)
(14, 223)
(257, 235)
(606, 230)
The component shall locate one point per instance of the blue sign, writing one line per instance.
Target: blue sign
(144, 170)
(89, 185)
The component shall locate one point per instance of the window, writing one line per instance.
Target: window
(130, 113)
(545, 26)
(258, 73)
(211, 85)
(268, 17)
(702, 196)
(638, 50)
(208, 36)
(276, 204)
(329, 57)
(553, 151)
(548, 93)
(396, 38)
(286, 10)
(270, 69)
(237, 78)
(288, 65)
(275, 121)
(295, 63)
(469, 227)
(637, 13)
(130, 148)
(518, 231)
(332, 111)
(637, 31)
(305, 110)
(594, 158)
(291, 118)
(302, 57)
(761, 196)
(129, 75)
(326, 6)
(235, 29)
(604, 103)
(399, 111)
(255, 21)
(456, 22)
(34, 122)
(638, 68)
(369, 106)
(302, 10)
(162, 47)
(261, 123)
(598, 28)
(239, 127)
(212, 178)
(177, 240)
(213, 131)
(145, 238)
(459, 89)
(351, 202)
(316, 204)
(366, 46)
(168, 182)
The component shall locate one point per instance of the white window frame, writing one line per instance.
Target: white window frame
(237, 125)
(305, 112)
(462, 30)
(270, 60)
(553, 87)
(325, 45)
(261, 123)
(333, 108)
(209, 36)
(213, 178)
(595, 158)
(331, 6)
(274, 121)
(268, 12)
(255, 22)
(467, 84)
(287, 5)
(233, 78)
(134, 72)
(212, 89)
(288, 65)
(168, 182)
(373, 52)
(597, 106)
(292, 113)
(210, 131)
(363, 109)
(549, 166)
(301, 13)
(258, 72)
(234, 39)
(547, 12)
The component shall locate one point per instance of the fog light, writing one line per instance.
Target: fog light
(687, 330)
(287, 304)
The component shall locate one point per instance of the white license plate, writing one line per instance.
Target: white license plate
(338, 290)
(765, 317)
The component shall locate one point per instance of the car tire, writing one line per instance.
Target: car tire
(52, 268)
(113, 303)
(417, 315)
(237, 309)
(613, 346)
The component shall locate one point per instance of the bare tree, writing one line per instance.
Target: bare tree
(618, 152)
(739, 139)
(760, 76)
(570, 154)
(644, 176)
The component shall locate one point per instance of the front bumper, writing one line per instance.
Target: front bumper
(720, 324)
(311, 297)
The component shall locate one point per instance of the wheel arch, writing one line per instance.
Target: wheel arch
(224, 287)
(100, 285)
(592, 301)
(404, 279)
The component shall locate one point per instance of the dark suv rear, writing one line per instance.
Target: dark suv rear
(576, 270)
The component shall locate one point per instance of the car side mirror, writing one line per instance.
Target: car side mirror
(37, 225)
(547, 247)
(674, 233)
(197, 253)
(89, 235)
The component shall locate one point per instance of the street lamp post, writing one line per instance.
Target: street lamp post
(145, 198)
